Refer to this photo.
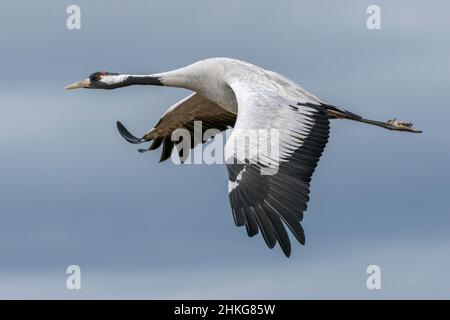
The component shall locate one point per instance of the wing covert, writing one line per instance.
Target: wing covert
(182, 115)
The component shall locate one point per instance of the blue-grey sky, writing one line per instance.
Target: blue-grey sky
(72, 191)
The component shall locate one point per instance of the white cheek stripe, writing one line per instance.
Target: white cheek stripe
(110, 79)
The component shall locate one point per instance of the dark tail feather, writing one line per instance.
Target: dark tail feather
(337, 113)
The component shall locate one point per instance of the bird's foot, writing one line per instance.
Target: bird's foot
(402, 126)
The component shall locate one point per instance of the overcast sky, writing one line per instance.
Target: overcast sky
(72, 191)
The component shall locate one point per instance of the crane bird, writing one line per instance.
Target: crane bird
(233, 93)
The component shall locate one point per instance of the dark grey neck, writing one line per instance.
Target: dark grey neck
(142, 80)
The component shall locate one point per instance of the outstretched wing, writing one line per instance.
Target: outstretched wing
(195, 107)
(263, 199)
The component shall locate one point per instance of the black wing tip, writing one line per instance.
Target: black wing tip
(298, 233)
(167, 149)
(251, 232)
(302, 240)
(285, 247)
(127, 135)
(287, 253)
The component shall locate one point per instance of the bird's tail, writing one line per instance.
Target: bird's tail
(393, 124)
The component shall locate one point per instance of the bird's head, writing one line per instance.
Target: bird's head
(100, 80)
(110, 80)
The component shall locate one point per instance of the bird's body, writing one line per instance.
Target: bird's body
(267, 190)
(213, 78)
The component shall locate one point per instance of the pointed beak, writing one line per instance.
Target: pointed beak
(86, 83)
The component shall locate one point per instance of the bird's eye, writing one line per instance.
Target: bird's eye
(95, 76)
